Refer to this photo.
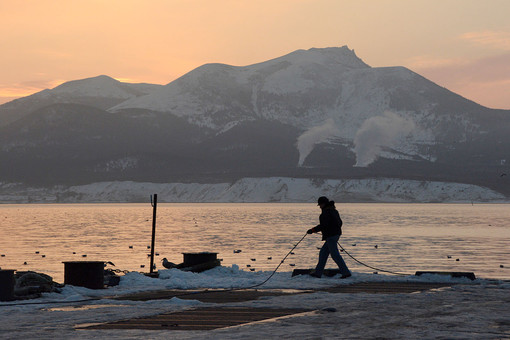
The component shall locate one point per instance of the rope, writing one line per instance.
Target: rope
(223, 290)
(249, 287)
(281, 262)
(184, 294)
(366, 265)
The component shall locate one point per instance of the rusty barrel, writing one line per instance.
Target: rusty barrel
(7, 284)
(89, 274)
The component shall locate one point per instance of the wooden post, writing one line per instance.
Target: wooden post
(154, 205)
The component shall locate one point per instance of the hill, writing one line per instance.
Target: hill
(319, 114)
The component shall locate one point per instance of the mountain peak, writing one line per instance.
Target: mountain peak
(326, 56)
(72, 85)
(100, 86)
(304, 74)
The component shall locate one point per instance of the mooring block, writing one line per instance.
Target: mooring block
(468, 275)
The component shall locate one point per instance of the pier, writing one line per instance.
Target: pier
(218, 316)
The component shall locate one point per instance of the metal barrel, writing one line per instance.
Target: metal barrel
(7, 284)
(191, 259)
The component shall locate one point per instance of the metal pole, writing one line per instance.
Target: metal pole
(154, 205)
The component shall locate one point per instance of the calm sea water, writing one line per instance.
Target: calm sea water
(409, 237)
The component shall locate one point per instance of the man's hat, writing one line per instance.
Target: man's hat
(322, 199)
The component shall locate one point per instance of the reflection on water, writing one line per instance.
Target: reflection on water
(409, 237)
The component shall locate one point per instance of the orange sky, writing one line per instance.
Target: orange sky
(463, 45)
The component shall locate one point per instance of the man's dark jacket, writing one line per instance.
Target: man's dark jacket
(330, 223)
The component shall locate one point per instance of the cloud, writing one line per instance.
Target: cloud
(17, 91)
(318, 134)
(127, 80)
(427, 61)
(484, 80)
(25, 88)
(378, 132)
(498, 40)
(495, 67)
(489, 69)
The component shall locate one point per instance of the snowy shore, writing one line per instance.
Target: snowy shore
(274, 189)
(467, 310)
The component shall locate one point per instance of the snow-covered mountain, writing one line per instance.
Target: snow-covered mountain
(288, 89)
(330, 96)
(316, 114)
(100, 92)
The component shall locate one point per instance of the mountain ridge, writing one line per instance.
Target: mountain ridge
(100, 92)
(317, 113)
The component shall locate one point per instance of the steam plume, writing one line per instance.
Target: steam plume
(377, 132)
(315, 135)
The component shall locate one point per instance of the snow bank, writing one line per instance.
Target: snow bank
(223, 278)
(273, 189)
(471, 310)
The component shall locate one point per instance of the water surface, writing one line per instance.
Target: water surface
(409, 237)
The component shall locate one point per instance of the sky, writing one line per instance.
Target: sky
(463, 45)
